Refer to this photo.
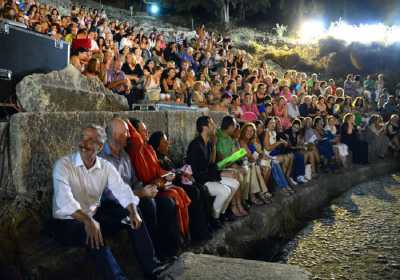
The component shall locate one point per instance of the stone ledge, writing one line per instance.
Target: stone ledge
(243, 237)
(207, 267)
(240, 239)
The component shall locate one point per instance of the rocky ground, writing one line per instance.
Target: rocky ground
(357, 237)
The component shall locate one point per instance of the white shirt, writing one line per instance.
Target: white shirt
(79, 188)
(95, 46)
(293, 111)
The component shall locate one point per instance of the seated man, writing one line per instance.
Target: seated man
(119, 83)
(225, 147)
(79, 180)
(201, 156)
(114, 152)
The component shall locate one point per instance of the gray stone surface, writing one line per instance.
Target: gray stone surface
(245, 237)
(206, 267)
(65, 91)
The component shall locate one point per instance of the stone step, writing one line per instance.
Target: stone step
(241, 238)
(206, 267)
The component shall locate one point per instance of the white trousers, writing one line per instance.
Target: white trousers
(223, 192)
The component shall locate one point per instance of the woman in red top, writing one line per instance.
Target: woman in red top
(149, 171)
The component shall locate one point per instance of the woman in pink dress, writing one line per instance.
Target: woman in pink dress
(249, 108)
(285, 92)
(280, 111)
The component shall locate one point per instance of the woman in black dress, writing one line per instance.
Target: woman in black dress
(349, 136)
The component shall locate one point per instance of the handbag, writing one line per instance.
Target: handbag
(153, 94)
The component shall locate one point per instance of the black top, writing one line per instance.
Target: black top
(306, 111)
(199, 158)
(348, 139)
(135, 71)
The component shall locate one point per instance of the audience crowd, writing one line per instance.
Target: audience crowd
(292, 128)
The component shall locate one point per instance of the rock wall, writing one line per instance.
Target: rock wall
(36, 141)
(39, 139)
(6, 188)
(65, 91)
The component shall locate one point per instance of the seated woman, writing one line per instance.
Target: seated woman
(341, 150)
(258, 190)
(375, 135)
(349, 136)
(295, 138)
(360, 111)
(152, 86)
(149, 171)
(224, 104)
(235, 110)
(198, 95)
(310, 141)
(324, 143)
(273, 149)
(281, 111)
(265, 162)
(249, 108)
(201, 207)
(393, 132)
(168, 83)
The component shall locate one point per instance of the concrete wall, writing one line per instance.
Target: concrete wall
(39, 139)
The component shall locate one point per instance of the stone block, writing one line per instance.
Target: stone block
(39, 139)
(65, 91)
(206, 267)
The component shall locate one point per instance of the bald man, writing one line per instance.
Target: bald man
(159, 213)
(80, 220)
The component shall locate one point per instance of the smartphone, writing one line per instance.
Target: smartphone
(168, 175)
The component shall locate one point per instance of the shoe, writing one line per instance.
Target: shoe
(216, 224)
(161, 271)
(227, 217)
(292, 182)
(301, 180)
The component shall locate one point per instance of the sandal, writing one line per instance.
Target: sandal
(255, 201)
(235, 210)
(242, 210)
(267, 195)
(286, 192)
(265, 198)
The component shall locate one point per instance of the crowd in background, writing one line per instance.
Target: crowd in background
(293, 128)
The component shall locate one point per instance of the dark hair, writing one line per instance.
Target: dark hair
(135, 122)
(201, 122)
(267, 120)
(155, 139)
(234, 97)
(298, 121)
(227, 121)
(316, 120)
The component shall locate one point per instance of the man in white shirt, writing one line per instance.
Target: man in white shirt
(79, 180)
